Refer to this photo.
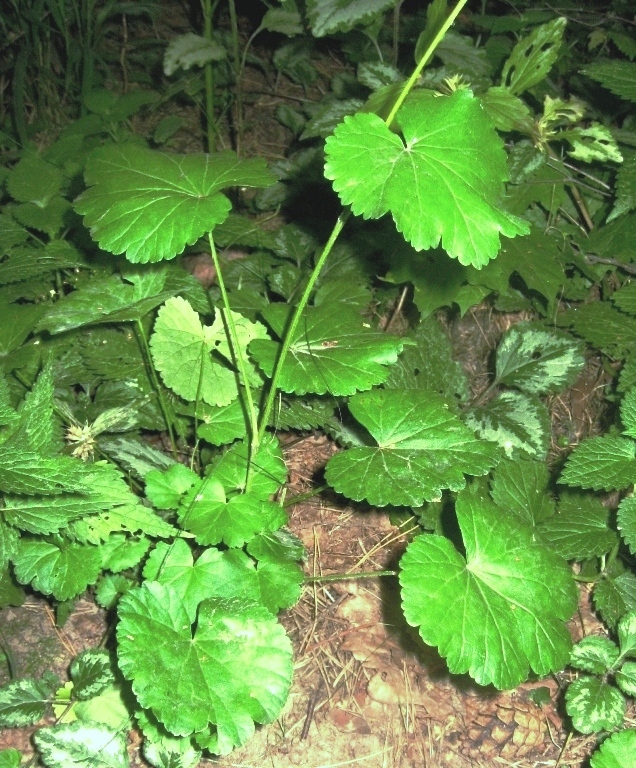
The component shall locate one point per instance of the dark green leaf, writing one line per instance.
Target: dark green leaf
(594, 705)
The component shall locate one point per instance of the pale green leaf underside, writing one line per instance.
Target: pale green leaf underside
(234, 668)
(331, 352)
(602, 463)
(150, 205)
(422, 448)
(500, 612)
(181, 350)
(443, 181)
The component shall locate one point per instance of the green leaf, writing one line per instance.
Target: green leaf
(151, 205)
(593, 143)
(23, 702)
(165, 489)
(10, 758)
(190, 50)
(603, 326)
(617, 76)
(33, 180)
(618, 751)
(234, 668)
(109, 708)
(327, 116)
(625, 298)
(614, 596)
(135, 456)
(268, 467)
(276, 547)
(91, 673)
(506, 110)
(594, 654)
(222, 425)
(515, 421)
(110, 588)
(331, 352)
(626, 678)
(602, 463)
(31, 473)
(81, 745)
(25, 263)
(329, 16)
(110, 300)
(105, 490)
(214, 517)
(520, 487)
(227, 575)
(18, 321)
(533, 56)
(63, 570)
(628, 413)
(450, 155)
(538, 361)
(627, 634)
(579, 531)
(50, 218)
(8, 542)
(35, 428)
(429, 364)
(594, 705)
(500, 611)
(625, 187)
(422, 448)
(181, 348)
(10, 592)
(161, 749)
(284, 21)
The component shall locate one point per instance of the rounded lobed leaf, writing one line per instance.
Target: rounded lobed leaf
(500, 611)
(422, 448)
(150, 205)
(444, 180)
(618, 751)
(233, 669)
(594, 705)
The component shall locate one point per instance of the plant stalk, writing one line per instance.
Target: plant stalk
(239, 356)
(347, 576)
(425, 59)
(291, 331)
(209, 80)
(141, 336)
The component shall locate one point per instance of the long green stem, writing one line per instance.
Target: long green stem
(347, 576)
(143, 341)
(239, 354)
(291, 331)
(238, 89)
(209, 80)
(425, 58)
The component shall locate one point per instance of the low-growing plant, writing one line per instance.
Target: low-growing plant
(188, 545)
